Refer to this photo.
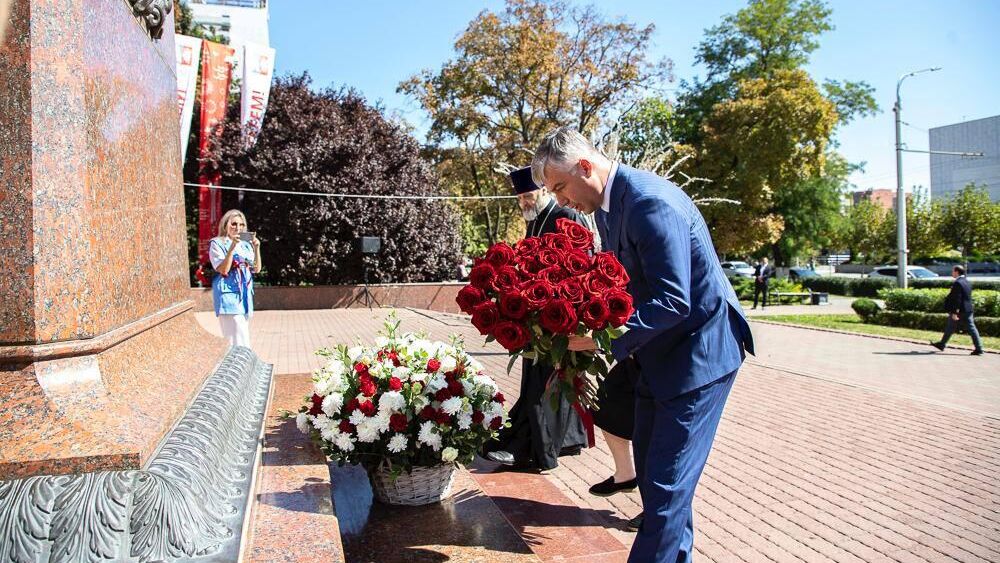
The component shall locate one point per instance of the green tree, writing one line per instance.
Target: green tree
(923, 226)
(810, 209)
(970, 221)
(868, 232)
(184, 24)
(645, 130)
(517, 74)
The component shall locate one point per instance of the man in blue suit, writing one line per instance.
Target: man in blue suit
(688, 333)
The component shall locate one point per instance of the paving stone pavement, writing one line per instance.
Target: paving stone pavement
(832, 447)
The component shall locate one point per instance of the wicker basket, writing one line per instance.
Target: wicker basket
(424, 486)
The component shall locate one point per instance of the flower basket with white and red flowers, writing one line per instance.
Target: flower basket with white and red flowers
(406, 409)
(531, 297)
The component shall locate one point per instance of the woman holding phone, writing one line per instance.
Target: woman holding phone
(235, 256)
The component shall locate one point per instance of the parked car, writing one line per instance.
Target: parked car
(737, 269)
(912, 273)
(796, 274)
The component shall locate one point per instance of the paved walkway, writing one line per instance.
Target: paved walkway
(832, 447)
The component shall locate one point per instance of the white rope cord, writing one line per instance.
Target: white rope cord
(359, 196)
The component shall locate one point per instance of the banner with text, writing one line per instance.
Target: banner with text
(258, 67)
(188, 54)
(216, 74)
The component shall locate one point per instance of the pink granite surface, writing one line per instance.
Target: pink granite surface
(428, 296)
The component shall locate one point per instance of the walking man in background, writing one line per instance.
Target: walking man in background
(762, 275)
(958, 305)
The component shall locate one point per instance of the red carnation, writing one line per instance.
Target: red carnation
(580, 236)
(478, 417)
(456, 389)
(395, 384)
(511, 335)
(485, 317)
(513, 306)
(571, 290)
(500, 254)
(527, 246)
(498, 398)
(346, 427)
(594, 313)
(558, 317)
(496, 423)
(361, 368)
(367, 386)
(433, 365)
(317, 405)
(538, 293)
(394, 357)
(576, 262)
(619, 307)
(367, 408)
(506, 279)
(442, 395)
(352, 405)
(558, 242)
(469, 297)
(611, 268)
(442, 417)
(427, 413)
(398, 422)
(482, 276)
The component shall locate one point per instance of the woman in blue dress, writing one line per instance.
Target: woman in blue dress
(235, 261)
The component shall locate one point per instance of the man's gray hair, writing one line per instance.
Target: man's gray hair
(562, 148)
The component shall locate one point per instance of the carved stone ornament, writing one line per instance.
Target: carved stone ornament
(188, 504)
(153, 13)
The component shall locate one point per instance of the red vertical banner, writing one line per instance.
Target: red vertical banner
(216, 73)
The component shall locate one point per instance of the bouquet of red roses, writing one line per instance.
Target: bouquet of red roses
(531, 297)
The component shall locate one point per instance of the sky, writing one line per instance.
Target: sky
(372, 46)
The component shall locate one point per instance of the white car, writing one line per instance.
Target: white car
(912, 273)
(737, 269)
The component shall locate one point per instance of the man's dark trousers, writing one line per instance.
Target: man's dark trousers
(671, 443)
(968, 323)
(758, 289)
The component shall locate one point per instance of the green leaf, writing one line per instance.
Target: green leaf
(559, 346)
(510, 364)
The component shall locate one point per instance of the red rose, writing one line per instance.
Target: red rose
(554, 274)
(611, 268)
(571, 290)
(395, 384)
(498, 398)
(433, 365)
(619, 307)
(485, 317)
(361, 368)
(580, 236)
(352, 405)
(528, 246)
(511, 335)
(398, 422)
(594, 313)
(496, 423)
(557, 241)
(531, 266)
(366, 386)
(506, 279)
(346, 427)
(513, 306)
(367, 408)
(558, 317)
(597, 284)
(576, 262)
(500, 254)
(394, 357)
(427, 413)
(456, 389)
(478, 417)
(317, 405)
(442, 395)
(482, 276)
(538, 293)
(442, 417)
(548, 257)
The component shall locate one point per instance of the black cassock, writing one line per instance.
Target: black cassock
(538, 434)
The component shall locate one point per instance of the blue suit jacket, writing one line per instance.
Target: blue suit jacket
(688, 329)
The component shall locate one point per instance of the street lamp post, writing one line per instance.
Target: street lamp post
(900, 195)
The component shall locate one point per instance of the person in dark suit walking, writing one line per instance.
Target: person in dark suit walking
(687, 336)
(762, 275)
(958, 305)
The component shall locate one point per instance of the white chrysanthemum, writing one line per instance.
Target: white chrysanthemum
(452, 405)
(381, 421)
(468, 387)
(495, 409)
(357, 417)
(448, 363)
(464, 421)
(449, 454)
(419, 376)
(391, 401)
(435, 384)
(376, 370)
(330, 433)
(402, 372)
(355, 353)
(335, 367)
(387, 366)
(428, 436)
(381, 341)
(368, 431)
(486, 383)
(345, 442)
(321, 421)
(332, 404)
(302, 423)
(397, 443)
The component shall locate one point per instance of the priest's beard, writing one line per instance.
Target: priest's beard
(533, 212)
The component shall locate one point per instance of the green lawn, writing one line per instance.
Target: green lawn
(852, 323)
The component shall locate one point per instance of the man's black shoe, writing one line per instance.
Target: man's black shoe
(977, 352)
(937, 345)
(608, 487)
(634, 524)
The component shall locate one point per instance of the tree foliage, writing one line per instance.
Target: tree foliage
(970, 221)
(184, 24)
(333, 142)
(516, 75)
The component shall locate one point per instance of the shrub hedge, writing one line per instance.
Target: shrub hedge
(984, 303)
(946, 283)
(744, 287)
(866, 309)
(858, 287)
(987, 326)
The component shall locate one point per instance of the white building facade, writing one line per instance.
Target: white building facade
(241, 21)
(949, 174)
